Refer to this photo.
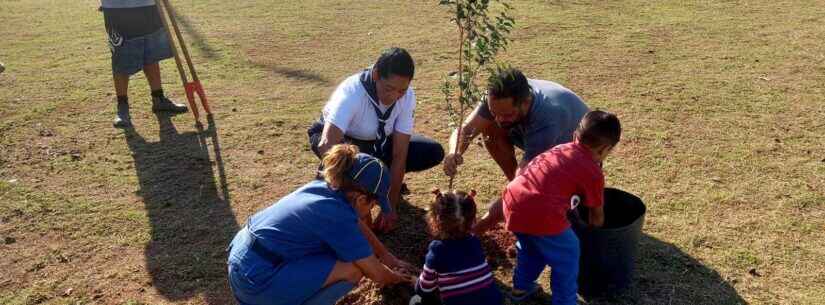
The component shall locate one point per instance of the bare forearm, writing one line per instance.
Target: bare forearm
(376, 271)
(496, 212)
(495, 215)
(377, 247)
(397, 172)
(506, 161)
(456, 146)
(501, 150)
(329, 137)
(459, 146)
(400, 149)
(324, 146)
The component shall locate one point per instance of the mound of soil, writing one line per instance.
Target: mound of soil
(409, 242)
(500, 246)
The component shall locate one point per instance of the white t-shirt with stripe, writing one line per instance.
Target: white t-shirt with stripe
(348, 109)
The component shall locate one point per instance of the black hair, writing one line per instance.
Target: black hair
(395, 61)
(508, 82)
(598, 128)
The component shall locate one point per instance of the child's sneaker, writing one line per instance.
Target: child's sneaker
(163, 104)
(122, 118)
(521, 297)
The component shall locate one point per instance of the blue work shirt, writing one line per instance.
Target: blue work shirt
(552, 119)
(312, 220)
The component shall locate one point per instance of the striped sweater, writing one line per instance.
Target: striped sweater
(456, 272)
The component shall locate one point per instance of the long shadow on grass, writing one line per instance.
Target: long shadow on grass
(291, 73)
(189, 211)
(666, 275)
(199, 41)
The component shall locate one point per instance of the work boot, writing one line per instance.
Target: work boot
(122, 118)
(163, 104)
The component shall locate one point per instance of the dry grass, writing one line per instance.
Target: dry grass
(721, 103)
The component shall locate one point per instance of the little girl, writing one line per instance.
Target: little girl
(455, 268)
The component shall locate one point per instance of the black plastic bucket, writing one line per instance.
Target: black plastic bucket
(608, 254)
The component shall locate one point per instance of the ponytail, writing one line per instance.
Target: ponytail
(337, 162)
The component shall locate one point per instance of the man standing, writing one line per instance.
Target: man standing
(533, 115)
(373, 109)
(138, 42)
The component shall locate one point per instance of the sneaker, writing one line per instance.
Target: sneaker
(163, 104)
(521, 297)
(122, 121)
(122, 117)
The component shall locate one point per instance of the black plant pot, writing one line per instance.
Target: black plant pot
(608, 254)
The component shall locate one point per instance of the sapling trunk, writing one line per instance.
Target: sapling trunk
(481, 36)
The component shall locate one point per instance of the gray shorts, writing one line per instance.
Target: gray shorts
(130, 55)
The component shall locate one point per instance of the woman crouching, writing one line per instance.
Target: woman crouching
(310, 247)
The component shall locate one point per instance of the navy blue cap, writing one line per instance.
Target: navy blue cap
(370, 173)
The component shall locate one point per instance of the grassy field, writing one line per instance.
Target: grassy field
(721, 102)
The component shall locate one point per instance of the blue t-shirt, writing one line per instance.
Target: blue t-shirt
(311, 220)
(552, 119)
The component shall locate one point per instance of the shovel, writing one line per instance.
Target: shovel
(193, 87)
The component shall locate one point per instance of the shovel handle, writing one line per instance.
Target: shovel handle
(183, 79)
(171, 11)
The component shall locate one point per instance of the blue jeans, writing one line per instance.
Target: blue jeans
(129, 56)
(560, 252)
(256, 280)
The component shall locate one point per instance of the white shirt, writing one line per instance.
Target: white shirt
(349, 109)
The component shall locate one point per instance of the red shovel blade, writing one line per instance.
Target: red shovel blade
(190, 96)
(193, 88)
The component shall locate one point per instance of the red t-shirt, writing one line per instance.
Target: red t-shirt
(536, 202)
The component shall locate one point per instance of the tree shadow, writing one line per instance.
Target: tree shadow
(199, 41)
(293, 74)
(189, 211)
(661, 274)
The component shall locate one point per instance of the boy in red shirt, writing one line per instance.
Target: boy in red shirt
(536, 203)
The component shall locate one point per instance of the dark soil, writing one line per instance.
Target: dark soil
(409, 242)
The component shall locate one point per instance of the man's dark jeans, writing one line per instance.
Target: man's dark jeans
(423, 153)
